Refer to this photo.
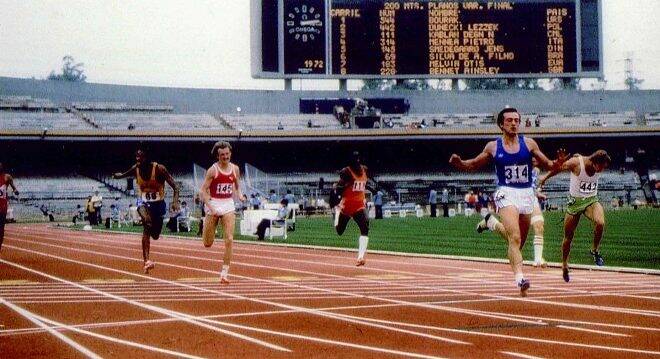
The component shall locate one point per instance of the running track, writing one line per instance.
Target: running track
(81, 294)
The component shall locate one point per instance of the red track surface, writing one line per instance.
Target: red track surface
(287, 302)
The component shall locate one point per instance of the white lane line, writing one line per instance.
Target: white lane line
(88, 353)
(506, 336)
(592, 331)
(283, 312)
(287, 251)
(294, 285)
(170, 313)
(354, 320)
(572, 305)
(60, 326)
(188, 246)
(523, 356)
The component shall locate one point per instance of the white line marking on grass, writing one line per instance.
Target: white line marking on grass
(170, 313)
(281, 305)
(62, 326)
(592, 331)
(29, 316)
(523, 356)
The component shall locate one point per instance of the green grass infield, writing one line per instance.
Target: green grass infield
(631, 239)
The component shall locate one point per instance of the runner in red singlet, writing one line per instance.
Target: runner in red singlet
(220, 186)
(352, 185)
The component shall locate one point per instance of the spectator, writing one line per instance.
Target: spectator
(290, 197)
(91, 213)
(282, 213)
(528, 122)
(97, 202)
(615, 203)
(433, 201)
(255, 201)
(185, 213)
(200, 204)
(273, 196)
(280, 126)
(482, 200)
(378, 203)
(175, 213)
(80, 212)
(444, 199)
(115, 214)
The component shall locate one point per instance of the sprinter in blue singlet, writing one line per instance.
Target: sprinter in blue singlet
(514, 198)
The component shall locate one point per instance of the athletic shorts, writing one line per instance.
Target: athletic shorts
(523, 199)
(156, 210)
(351, 208)
(577, 205)
(223, 206)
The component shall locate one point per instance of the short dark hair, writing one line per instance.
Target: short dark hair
(601, 157)
(284, 201)
(500, 116)
(220, 145)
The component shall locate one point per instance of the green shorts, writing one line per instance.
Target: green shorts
(577, 205)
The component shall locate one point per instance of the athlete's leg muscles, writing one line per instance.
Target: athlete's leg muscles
(228, 223)
(510, 219)
(596, 214)
(208, 234)
(143, 211)
(570, 224)
(538, 224)
(523, 222)
(362, 221)
(342, 223)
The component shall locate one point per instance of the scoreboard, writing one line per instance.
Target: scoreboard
(426, 38)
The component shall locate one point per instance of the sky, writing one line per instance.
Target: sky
(206, 43)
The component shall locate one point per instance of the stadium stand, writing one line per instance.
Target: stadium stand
(61, 195)
(281, 122)
(22, 120)
(142, 121)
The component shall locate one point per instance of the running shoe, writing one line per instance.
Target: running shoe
(524, 286)
(564, 273)
(148, 265)
(224, 280)
(598, 259)
(360, 262)
(483, 224)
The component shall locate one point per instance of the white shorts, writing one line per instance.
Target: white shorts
(222, 206)
(523, 199)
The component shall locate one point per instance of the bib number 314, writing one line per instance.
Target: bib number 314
(516, 174)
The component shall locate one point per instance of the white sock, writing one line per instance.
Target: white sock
(519, 277)
(492, 222)
(538, 249)
(225, 271)
(362, 247)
